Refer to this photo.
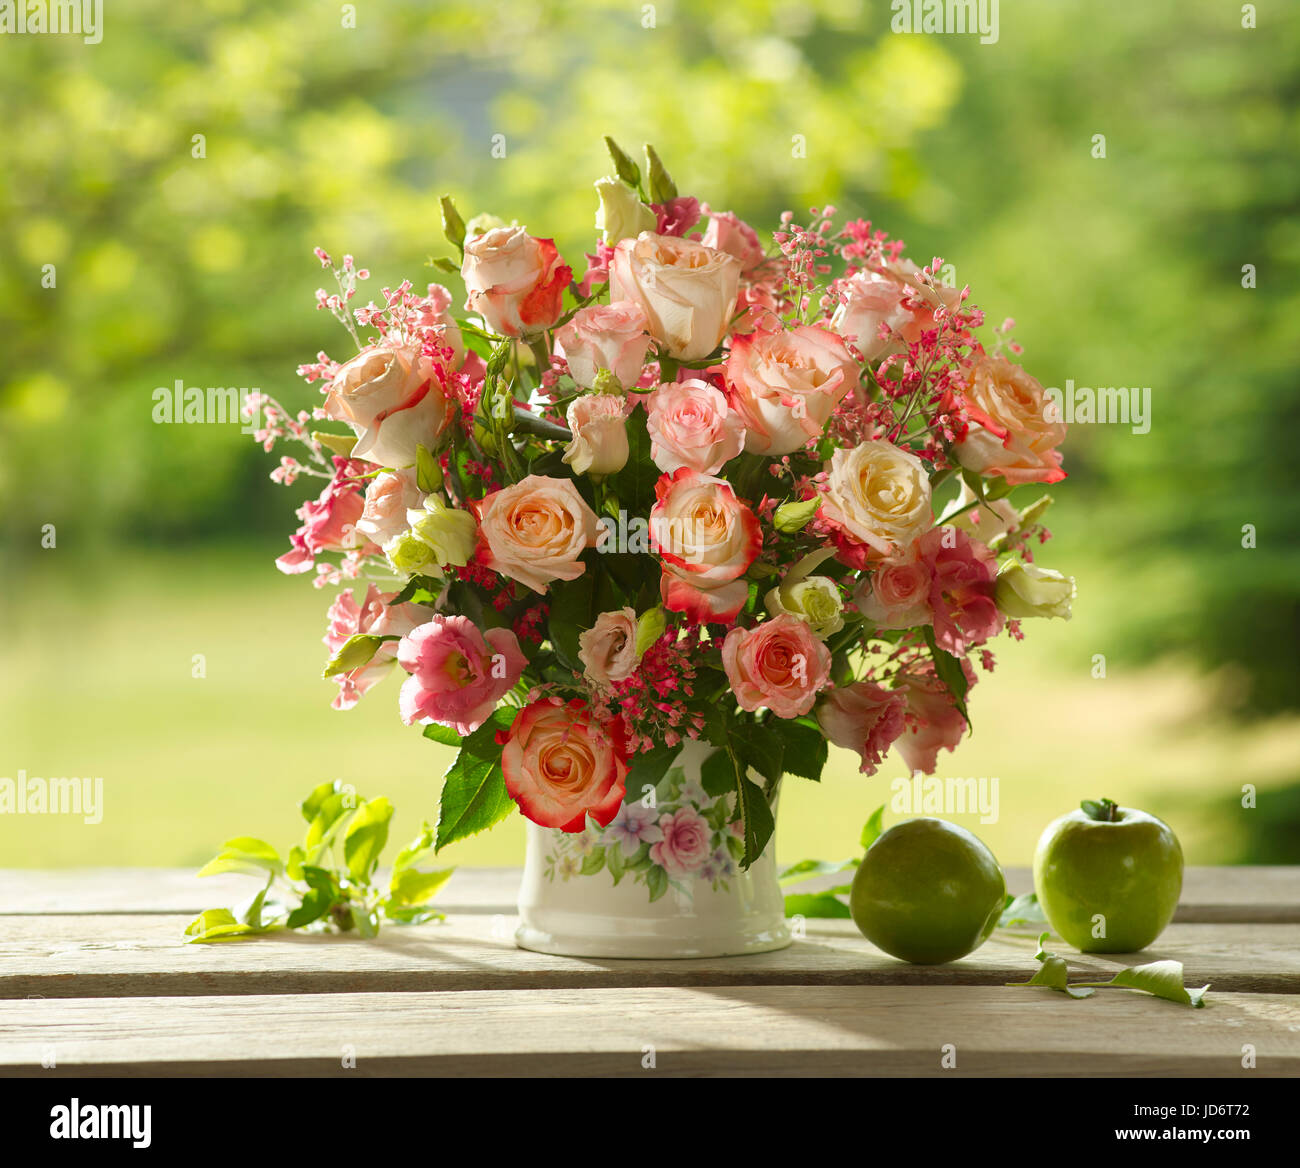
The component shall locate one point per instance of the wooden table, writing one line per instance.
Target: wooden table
(94, 980)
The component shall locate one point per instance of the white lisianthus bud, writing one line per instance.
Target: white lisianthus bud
(815, 600)
(621, 215)
(1025, 590)
(446, 535)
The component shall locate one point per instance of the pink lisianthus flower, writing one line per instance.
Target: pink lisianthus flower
(329, 522)
(685, 844)
(677, 216)
(863, 717)
(373, 615)
(963, 575)
(458, 673)
(780, 665)
(933, 722)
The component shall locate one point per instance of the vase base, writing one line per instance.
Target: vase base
(651, 946)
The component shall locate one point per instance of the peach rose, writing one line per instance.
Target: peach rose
(686, 290)
(388, 498)
(394, 400)
(1010, 434)
(878, 495)
(535, 531)
(691, 424)
(599, 425)
(876, 297)
(605, 336)
(458, 673)
(372, 615)
(785, 383)
(737, 238)
(515, 282)
(862, 717)
(706, 538)
(779, 664)
(608, 649)
(560, 766)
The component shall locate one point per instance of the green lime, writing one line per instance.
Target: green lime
(927, 891)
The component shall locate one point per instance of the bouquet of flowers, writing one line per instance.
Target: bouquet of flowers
(758, 496)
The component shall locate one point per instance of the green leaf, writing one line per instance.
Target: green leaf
(760, 746)
(312, 804)
(364, 921)
(1102, 810)
(624, 167)
(1023, 910)
(657, 882)
(650, 626)
(217, 924)
(807, 869)
(453, 226)
(246, 855)
(428, 474)
(367, 835)
(410, 887)
(338, 443)
(648, 768)
(315, 904)
(444, 735)
(795, 515)
(474, 793)
(570, 615)
(331, 818)
(805, 752)
(816, 904)
(717, 775)
(593, 862)
(1052, 975)
(948, 669)
(443, 264)
(1163, 979)
(614, 862)
(757, 816)
(662, 187)
(356, 651)
(416, 852)
(872, 828)
(419, 590)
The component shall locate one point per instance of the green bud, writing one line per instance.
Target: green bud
(794, 516)
(428, 474)
(662, 187)
(650, 626)
(624, 167)
(453, 226)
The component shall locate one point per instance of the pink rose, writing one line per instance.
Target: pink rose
(779, 664)
(458, 674)
(706, 538)
(605, 336)
(785, 383)
(736, 237)
(393, 398)
(686, 290)
(897, 594)
(862, 717)
(1015, 429)
(608, 650)
(895, 297)
(329, 522)
(599, 425)
(373, 615)
(685, 845)
(388, 498)
(535, 531)
(963, 574)
(692, 425)
(932, 721)
(560, 766)
(515, 282)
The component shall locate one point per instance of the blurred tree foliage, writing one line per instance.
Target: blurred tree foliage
(1124, 270)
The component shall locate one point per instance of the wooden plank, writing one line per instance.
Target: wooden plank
(1210, 895)
(124, 956)
(733, 1030)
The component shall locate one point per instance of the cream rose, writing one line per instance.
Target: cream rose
(393, 401)
(515, 282)
(874, 297)
(608, 649)
(535, 531)
(605, 336)
(879, 495)
(692, 424)
(1011, 434)
(599, 444)
(785, 383)
(686, 290)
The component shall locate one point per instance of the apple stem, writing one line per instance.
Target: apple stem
(1102, 810)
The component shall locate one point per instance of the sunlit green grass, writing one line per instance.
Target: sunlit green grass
(96, 679)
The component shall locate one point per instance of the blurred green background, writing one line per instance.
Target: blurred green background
(1124, 270)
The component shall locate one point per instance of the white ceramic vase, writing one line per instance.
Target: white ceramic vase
(662, 880)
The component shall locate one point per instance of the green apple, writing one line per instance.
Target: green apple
(927, 891)
(1108, 877)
